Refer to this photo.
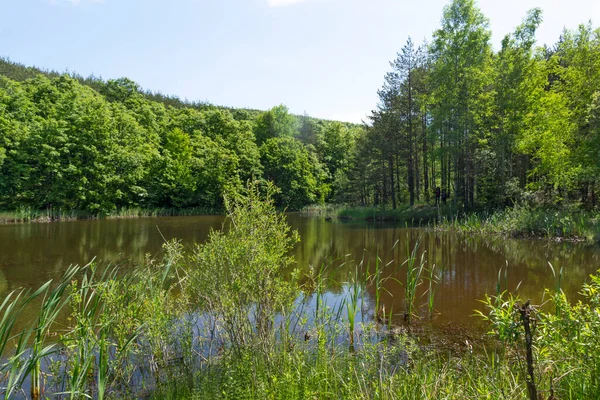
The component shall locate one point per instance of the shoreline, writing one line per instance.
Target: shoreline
(519, 222)
(50, 216)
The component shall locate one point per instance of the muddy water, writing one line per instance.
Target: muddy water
(31, 254)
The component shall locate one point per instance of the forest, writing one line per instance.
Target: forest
(490, 128)
(74, 143)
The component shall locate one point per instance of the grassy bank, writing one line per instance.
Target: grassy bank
(419, 215)
(568, 223)
(528, 222)
(25, 214)
(221, 322)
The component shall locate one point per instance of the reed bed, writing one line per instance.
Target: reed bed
(529, 222)
(26, 215)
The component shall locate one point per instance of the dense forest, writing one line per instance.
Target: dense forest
(489, 128)
(81, 143)
(493, 129)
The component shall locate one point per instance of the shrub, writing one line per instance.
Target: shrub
(238, 273)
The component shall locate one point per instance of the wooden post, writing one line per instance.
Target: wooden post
(525, 311)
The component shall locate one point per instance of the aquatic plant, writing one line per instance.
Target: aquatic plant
(414, 269)
(237, 274)
(433, 281)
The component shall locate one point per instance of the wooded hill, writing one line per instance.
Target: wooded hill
(69, 142)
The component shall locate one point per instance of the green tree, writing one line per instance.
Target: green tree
(277, 122)
(290, 167)
(516, 84)
(461, 79)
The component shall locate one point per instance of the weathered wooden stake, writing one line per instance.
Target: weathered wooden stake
(525, 311)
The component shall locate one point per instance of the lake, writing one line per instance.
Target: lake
(31, 254)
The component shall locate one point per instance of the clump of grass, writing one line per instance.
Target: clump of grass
(525, 221)
(414, 268)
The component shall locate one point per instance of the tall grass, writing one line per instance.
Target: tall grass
(433, 280)
(352, 303)
(378, 278)
(524, 221)
(414, 269)
(27, 214)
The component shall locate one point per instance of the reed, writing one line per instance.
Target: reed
(378, 282)
(15, 369)
(557, 277)
(414, 269)
(568, 222)
(55, 300)
(433, 280)
(27, 214)
(352, 303)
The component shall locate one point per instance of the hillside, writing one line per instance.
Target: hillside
(77, 143)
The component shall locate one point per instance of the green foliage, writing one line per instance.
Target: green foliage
(485, 128)
(567, 349)
(69, 144)
(237, 273)
(275, 123)
(569, 340)
(289, 165)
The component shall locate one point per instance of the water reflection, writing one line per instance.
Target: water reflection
(31, 254)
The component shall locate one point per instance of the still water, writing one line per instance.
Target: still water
(31, 254)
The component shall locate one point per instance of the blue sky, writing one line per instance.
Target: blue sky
(325, 57)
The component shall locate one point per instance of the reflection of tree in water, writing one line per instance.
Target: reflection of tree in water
(31, 254)
(470, 264)
(578, 260)
(3, 284)
(121, 240)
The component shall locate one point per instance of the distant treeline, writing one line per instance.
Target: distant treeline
(488, 128)
(68, 142)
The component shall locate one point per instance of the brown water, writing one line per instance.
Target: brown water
(31, 254)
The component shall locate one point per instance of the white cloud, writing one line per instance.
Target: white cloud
(284, 3)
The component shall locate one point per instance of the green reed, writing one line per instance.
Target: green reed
(414, 269)
(15, 369)
(557, 283)
(352, 303)
(433, 280)
(557, 277)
